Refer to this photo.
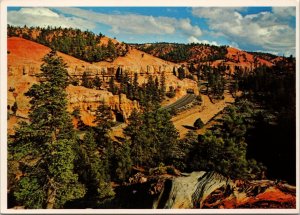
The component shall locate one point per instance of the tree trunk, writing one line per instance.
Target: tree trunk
(51, 193)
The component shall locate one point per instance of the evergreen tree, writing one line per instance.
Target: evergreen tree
(104, 120)
(112, 87)
(45, 146)
(224, 149)
(76, 112)
(162, 89)
(86, 82)
(97, 82)
(133, 132)
(135, 87)
(111, 50)
(93, 171)
(181, 73)
(153, 137)
(198, 123)
(182, 155)
(123, 162)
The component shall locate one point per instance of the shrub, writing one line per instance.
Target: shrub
(198, 123)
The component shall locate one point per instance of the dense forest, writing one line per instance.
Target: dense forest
(84, 45)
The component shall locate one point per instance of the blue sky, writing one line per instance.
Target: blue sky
(267, 29)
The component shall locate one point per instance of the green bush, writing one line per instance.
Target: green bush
(198, 123)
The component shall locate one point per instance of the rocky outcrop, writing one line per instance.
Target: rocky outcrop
(212, 190)
(88, 101)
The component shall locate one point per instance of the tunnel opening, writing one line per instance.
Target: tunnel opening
(119, 117)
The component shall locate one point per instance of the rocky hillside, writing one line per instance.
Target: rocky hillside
(204, 53)
(206, 190)
(84, 45)
(25, 59)
(212, 190)
(183, 52)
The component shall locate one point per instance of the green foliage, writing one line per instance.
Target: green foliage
(224, 148)
(181, 73)
(180, 53)
(112, 87)
(184, 52)
(274, 134)
(183, 149)
(86, 82)
(97, 82)
(31, 193)
(80, 44)
(76, 112)
(171, 93)
(152, 137)
(93, 170)
(104, 120)
(149, 94)
(216, 82)
(162, 86)
(46, 145)
(198, 123)
(133, 131)
(123, 162)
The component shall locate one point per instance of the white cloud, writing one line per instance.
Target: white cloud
(268, 31)
(284, 11)
(38, 12)
(118, 23)
(193, 39)
(137, 24)
(45, 17)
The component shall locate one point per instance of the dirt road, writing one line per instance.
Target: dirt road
(206, 111)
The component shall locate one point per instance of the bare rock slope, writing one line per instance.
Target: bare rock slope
(212, 190)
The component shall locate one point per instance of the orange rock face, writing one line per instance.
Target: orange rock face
(25, 59)
(212, 190)
(258, 194)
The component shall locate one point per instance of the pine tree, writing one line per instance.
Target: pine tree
(112, 87)
(123, 162)
(135, 87)
(97, 82)
(181, 73)
(133, 131)
(86, 82)
(153, 137)
(182, 157)
(45, 146)
(198, 123)
(111, 50)
(93, 170)
(162, 89)
(104, 119)
(104, 122)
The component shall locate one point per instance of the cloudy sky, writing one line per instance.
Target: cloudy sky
(267, 29)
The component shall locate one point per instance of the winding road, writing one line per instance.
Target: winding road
(183, 101)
